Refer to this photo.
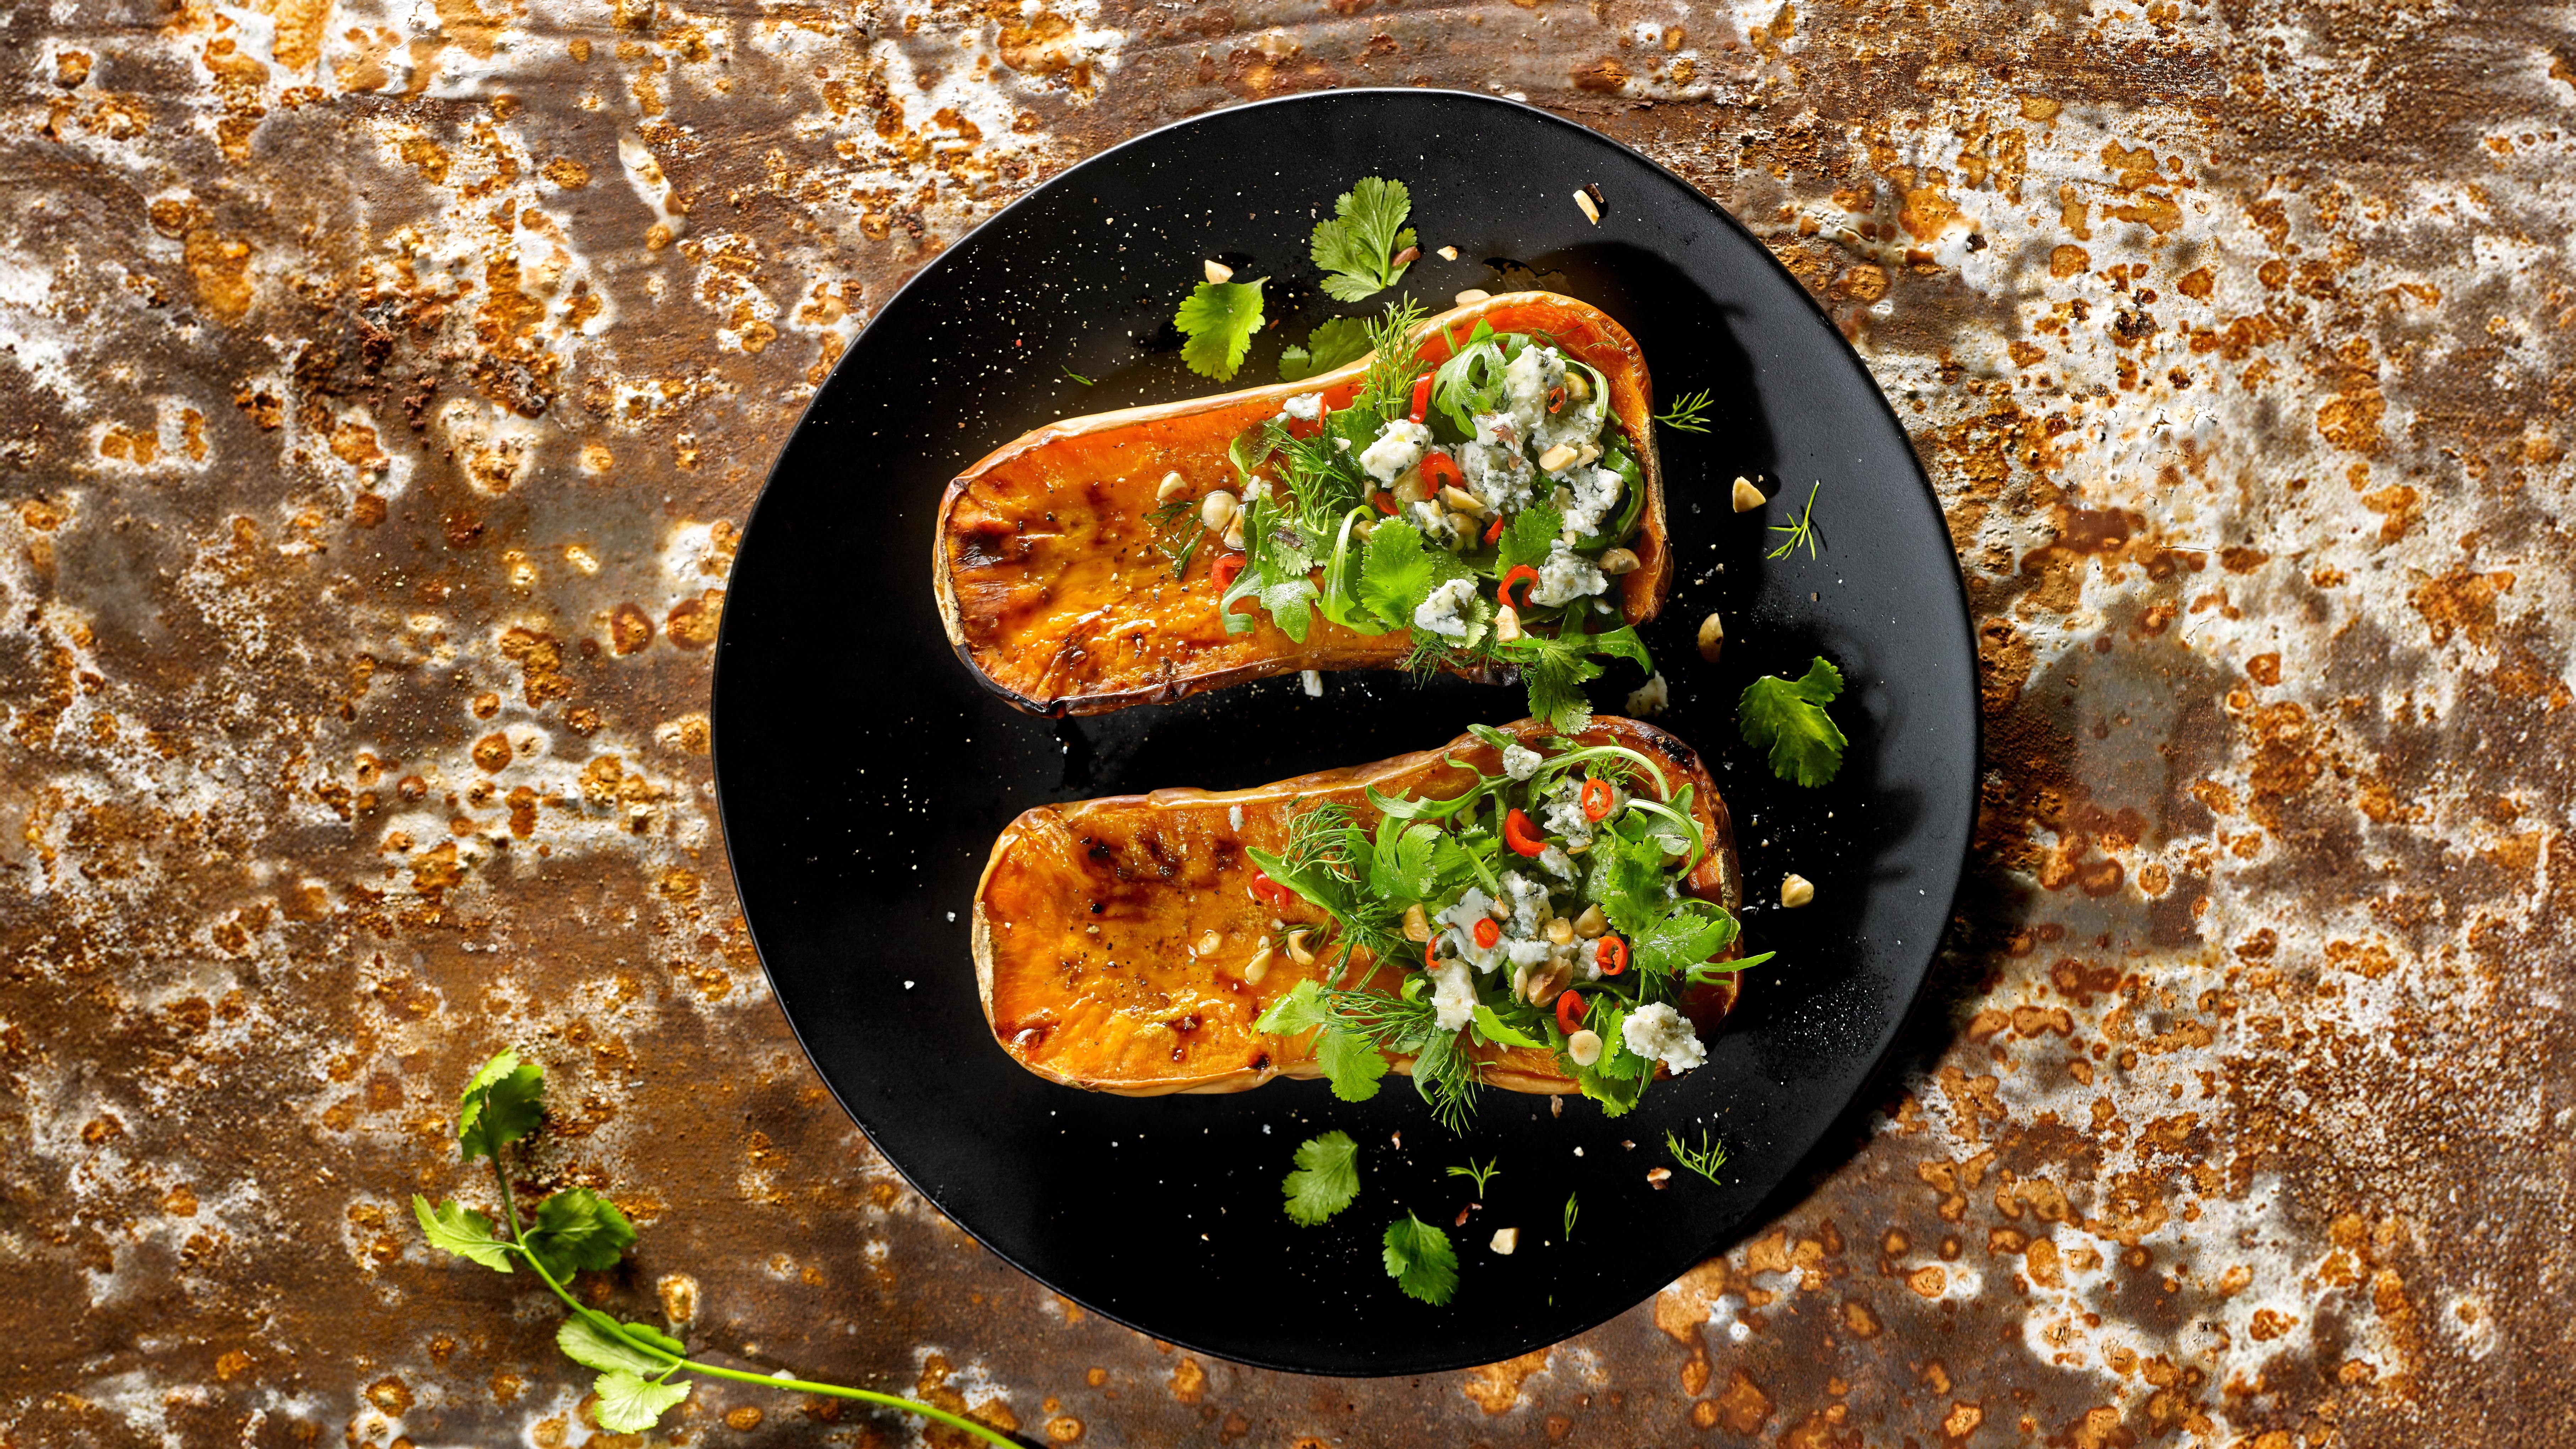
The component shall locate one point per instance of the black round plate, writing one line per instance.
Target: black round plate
(864, 772)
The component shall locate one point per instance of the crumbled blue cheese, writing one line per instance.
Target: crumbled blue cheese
(1496, 467)
(1572, 425)
(1658, 1033)
(1470, 909)
(1528, 953)
(1565, 577)
(1562, 812)
(1651, 698)
(1305, 407)
(1453, 996)
(1450, 611)
(1530, 908)
(1595, 491)
(1557, 863)
(1520, 762)
(1397, 448)
(1527, 382)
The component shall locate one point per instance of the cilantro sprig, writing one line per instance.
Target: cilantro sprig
(1218, 319)
(640, 1367)
(1330, 344)
(1326, 1181)
(1358, 246)
(1788, 719)
(1418, 1257)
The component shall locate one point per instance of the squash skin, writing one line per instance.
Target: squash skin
(1165, 868)
(1054, 596)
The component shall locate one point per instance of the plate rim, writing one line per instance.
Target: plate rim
(1791, 1187)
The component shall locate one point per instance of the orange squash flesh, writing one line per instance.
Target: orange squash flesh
(1053, 592)
(1089, 915)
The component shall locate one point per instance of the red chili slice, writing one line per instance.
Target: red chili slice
(1596, 799)
(1421, 396)
(1521, 835)
(1225, 570)
(1517, 574)
(1494, 530)
(1440, 470)
(1556, 398)
(1611, 955)
(1569, 1012)
(1269, 891)
(1487, 933)
(1385, 502)
(1430, 961)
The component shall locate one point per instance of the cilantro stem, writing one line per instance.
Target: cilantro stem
(606, 1324)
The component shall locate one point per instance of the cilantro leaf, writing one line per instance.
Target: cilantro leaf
(1400, 572)
(1420, 1260)
(452, 1227)
(1329, 345)
(576, 1229)
(1352, 1064)
(1219, 319)
(595, 1343)
(1326, 1180)
(1527, 539)
(1555, 670)
(503, 1103)
(630, 1404)
(1684, 939)
(1356, 248)
(1788, 719)
(1405, 866)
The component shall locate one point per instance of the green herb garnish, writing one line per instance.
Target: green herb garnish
(1078, 377)
(1331, 344)
(1705, 1160)
(1219, 319)
(576, 1229)
(1420, 1260)
(1481, 1174)
(1788, 719)
(1569, 1217)
(1326, 1180)
(1689, 412)
(1177, 532)
(1356, 248)
(1802, 531)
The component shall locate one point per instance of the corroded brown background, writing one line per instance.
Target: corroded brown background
(381, 385)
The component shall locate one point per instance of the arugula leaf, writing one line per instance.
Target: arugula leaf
(1493, 1029)
(455, 1228)
(1789, 720)
(1326, 1180)
(503, 1103)
(1356, 248)
(1219, 319)
(595, 1344)
(1418, 1257)
(1333, 342)
(631, 1404)
(576, 1229)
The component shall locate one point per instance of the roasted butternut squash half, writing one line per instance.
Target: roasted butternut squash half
(1481, 492)
(1522, 909)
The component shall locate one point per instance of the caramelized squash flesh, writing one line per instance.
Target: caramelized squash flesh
(1115, 939)
(1054, 593)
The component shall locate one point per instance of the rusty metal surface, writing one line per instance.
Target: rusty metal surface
(381, 386)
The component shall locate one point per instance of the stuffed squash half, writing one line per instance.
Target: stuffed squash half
(1479, 493)
(1522, 908)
